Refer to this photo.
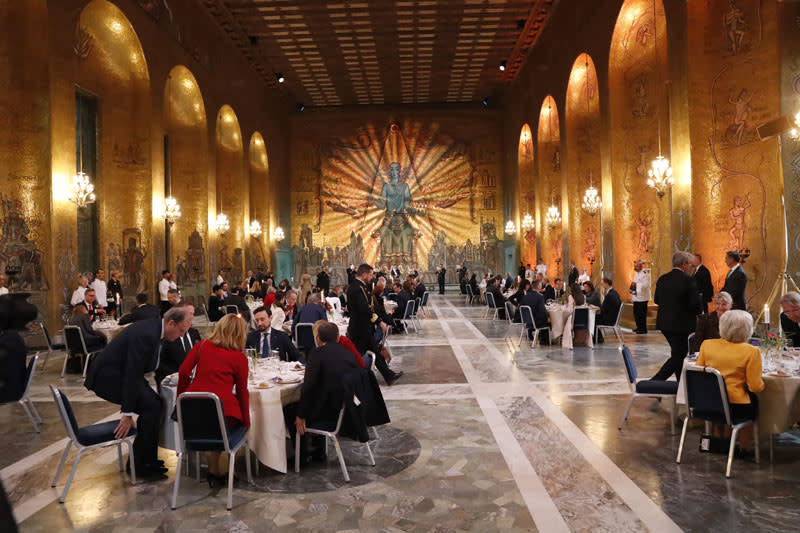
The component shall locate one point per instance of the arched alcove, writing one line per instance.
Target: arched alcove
(526, 175)
(231, 194)
(583, 164)
(638, 109)
(261, 194)
(549, 188)
(186, 144)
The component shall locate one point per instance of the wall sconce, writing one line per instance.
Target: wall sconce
(222, 224)
(255, 229)
(277, 234)
(172, 211)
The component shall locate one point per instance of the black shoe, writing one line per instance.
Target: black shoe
(150, 474)
(158, 465)
(394, 377)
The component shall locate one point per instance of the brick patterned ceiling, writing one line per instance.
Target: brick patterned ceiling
(384, 51)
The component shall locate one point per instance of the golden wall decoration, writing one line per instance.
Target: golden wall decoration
(738, 186)
(397, 192)
(788, 15)
(583, 164)
(261, 195)
(638, 107)
(526, 168)
(231, 188)
(549, 186)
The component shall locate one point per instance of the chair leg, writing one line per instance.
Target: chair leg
(371, 457)
(27, 409)
(618, 333)
(535, 340)
(61, 464)
(177, 483)
(64, 365)
(34, 410)
(755, 441)
(119, 456)
(521, 334)
(231, 462)
(683, 438)
(625, 414)
(297, 438)
(341, 459)
(132, 462)
(197, 465)
(672, 415)
(374, 432)
(71, 476)
(247, 462)
(730, 452)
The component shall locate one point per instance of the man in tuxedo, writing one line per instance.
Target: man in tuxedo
(572, 278)
(420, 289)
(90, 303)
(323, 281)
(117, 376)
(497, 292)
(440, 278)
(702, 277)
(174, 352)
(678, 306)
(364, 320)
(265, 339)
(142, 311)
(534, 299)
(736, 280)
(609, 310)
(311, 312)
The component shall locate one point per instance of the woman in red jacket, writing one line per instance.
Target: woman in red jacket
(219, 363)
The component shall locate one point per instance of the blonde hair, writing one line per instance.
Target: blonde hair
(736, 326)
(230, 333)
(79, 310)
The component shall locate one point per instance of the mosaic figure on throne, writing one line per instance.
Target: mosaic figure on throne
(396, 233)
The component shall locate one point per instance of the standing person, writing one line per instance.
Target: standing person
(678, 307)
(117, 376)
(584, 277)
(323, 281)
(174, 353)
(541, 268)
(100, 289)
(702, 277)
(521, 270)
(440, 277)
(115, 294)
(78, 293)
(250, 279)
(736, 280)
(163, 291)
(640, 289)
(529, 273)
(572, 276)
(220, 279)
(364, 319)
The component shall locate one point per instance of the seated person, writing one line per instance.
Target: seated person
(90, 304)
(216, 303)
(791, 316)
(265, 338)
(173, 353)
(534, 299)
(403, 297)
(311, 312)
(516, 298)
(218, 365)
(142, 311)
(238, 300)
(499, 300)
(609, 310)
(708, 323)
(473, 284)
(592, 296)
(576, 297)
(740, 366)
(13, 352)
(80, 318)
(173, 297)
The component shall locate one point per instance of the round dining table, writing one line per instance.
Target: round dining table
(108, 329)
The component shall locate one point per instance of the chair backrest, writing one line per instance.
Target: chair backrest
(630, 366)
(526, 315)
(29, 373)
(66, 413)
(580, 318)
(304, 335)
(619, 315)
(416, 306)
(424, 298)
(706, 393)
(47, 336)
(490, 300)
(205, 312)
(231, 310)
(509, 311)
(409, 312)
(74, 339)
(197, 413)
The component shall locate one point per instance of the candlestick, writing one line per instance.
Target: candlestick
(766, 313)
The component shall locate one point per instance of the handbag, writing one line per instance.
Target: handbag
(174, 415)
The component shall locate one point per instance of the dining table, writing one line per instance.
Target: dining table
(272, 384)
(108, 328)
(561, 322)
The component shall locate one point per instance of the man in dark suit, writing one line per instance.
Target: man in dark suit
(364, 320)
(790, 317)
(142, 311)
(420, 289)
(265, 339)
(117, 375)
(174, 352)
(323, 281)
(678, 306)
(238, 301)
(440, 278)
(572, 278)
(497, 292)
(702, 277)
(534, 299)
(736, 280)
(216, 303)
(609, 310)
(90, 303)
(311, 312)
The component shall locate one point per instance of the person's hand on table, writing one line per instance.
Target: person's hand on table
(300, 424)
(124, 427)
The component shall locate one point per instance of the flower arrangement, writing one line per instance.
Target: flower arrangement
(774, 340)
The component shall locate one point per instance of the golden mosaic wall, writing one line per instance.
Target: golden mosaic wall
(788, 17)
(583, 164)
(737, 187)
(638, 107)
(231, 189)
(549, 186)
(260, 203)
(526, 169)
(387, 189)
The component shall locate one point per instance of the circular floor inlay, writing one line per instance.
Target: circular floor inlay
(394, 451)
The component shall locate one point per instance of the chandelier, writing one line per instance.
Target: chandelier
(277, 234)
(528, 223)
(255, 229)
(511, 228)
(660, 175)
(553, 217)
(81, 191)
(172, 211)
(222, 224)
(591, 199)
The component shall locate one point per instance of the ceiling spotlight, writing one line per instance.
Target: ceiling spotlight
(280, 77)
(502, 66)
(485, 102)
(301, 107)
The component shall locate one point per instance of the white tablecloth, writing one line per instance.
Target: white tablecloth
(561, 323)
(108, 329)
(267, 435)
(778, 403)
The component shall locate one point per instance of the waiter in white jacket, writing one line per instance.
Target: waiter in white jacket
(640, 289)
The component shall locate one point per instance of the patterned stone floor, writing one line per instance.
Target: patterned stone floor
(485, 436)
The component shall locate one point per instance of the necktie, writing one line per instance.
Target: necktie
(188, 345)
(261, 350)
(183, 345)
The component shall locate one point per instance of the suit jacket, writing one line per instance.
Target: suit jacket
(402, 301)
(535, 301)
(13, 370)
(174, 352)
(238, 301)
(323, 388)
(420, 290)
(91, 309)
(440, 277)
(116, 373)
(703, 279)
(735, 285)
(359, 304)
(593, 298)
(499, 299)
(85, 323)
(791, 329)
(678, 302)
(573, 276)
(278, 340)
(137, 314)
(610, 308)
(707, 328)
(324, 282)
(549, 293)
(309, 313)
(214, 311)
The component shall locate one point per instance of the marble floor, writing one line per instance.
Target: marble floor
(485, 436)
